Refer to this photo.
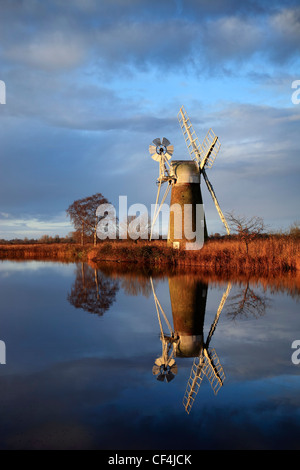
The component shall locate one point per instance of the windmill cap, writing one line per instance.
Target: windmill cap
(185, 171)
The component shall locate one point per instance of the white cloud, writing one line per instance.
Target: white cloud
(286, 22)
(231, 37)
(33, 227)
(51, 50)
(65, 67)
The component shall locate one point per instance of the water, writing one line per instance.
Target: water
(81, 345)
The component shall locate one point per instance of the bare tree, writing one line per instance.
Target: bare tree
(83, 215)
(247, 229)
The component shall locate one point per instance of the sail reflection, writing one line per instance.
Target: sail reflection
(186, 339)
(206, 364)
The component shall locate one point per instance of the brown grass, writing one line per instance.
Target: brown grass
(266, 255)
(44, 252)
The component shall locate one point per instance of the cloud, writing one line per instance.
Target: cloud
(260, 125)
(90, 84)
(11, 227)
(285, 29)
(162, 44)
(112, 36)
(259, 146)
(230, 38)
(53, 50)
(97, 404)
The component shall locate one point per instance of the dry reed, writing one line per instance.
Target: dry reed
(268, 254)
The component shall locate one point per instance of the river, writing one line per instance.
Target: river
(102, 357)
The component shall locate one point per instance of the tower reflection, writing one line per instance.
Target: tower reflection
(188, 303)
(188, 298)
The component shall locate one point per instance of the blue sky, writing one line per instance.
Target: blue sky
(90, 84)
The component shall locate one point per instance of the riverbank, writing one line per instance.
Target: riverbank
(269, 254)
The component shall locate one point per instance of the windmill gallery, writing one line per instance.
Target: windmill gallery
(186, 220)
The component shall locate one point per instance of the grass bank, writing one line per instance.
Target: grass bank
(44, 252)
(264, 255)
(268, 254)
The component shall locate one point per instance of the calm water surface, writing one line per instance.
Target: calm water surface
(85, 349)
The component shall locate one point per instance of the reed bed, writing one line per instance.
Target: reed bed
(264, 255)
(43, 252)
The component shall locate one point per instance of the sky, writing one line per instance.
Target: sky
(89, 84)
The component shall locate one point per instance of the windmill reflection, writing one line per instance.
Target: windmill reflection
(188, 302)
(92, 290)
(206, 364)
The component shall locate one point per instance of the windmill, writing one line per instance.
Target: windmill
(206, 364)
(203, 154)
(185, 338)
(184, 178)
(176, 174)
(161, 151)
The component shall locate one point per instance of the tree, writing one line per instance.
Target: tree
(83, 215)
(247, 228)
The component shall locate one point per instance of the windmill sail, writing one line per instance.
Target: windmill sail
(194, 382)
(210, 148)
(214, 197)
(206, 365)
(204, 154)
(190, 136)
(161, 151)
(214, 370)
